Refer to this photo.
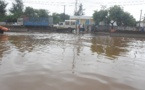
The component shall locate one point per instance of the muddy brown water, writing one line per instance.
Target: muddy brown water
(60, 61)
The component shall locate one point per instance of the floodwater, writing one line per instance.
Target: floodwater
(60, 61)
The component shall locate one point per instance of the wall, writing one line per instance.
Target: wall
(142, 24)
(87, 20)
(126, 28)
(84, 21)
(2, 23)
(122, 28)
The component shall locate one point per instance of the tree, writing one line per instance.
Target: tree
(56, 18)
(10, 19)
(80, 12)
(17, 8)
(128, 20)
(122, 18)
(3, 6)
(116, 14)
(59, 17)
(64, 16)
(100, 16)
(29, 12)
(42, 13)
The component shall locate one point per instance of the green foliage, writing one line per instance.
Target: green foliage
(17, 8)
(128, 20)
(30, 12)
(10, 18)
(59, 17)
(115, 13)
(101, 15)
(56, 18)
(42, 13)
(3, 6)
(64, 16)
(17, 11)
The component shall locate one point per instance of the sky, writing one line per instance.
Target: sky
(134, 7)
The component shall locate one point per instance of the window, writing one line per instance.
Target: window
(19, 20)
(61, 23)
(66, 23)
(72, 23)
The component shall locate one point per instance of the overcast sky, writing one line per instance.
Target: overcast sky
(134, 7)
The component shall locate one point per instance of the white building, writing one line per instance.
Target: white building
(141, 24)
(86, 20)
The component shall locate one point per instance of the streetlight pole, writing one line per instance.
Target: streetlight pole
(76, 7)
(140, 18)
(64, 12)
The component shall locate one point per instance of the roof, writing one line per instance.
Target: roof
(71, 20)
(81, 17)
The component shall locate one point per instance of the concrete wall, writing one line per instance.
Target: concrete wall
(2, 23)
(142, 24)
(126, 28)
(122, 28)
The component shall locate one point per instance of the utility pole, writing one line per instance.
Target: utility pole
(64, 12)
(76, 4)
(140, 18)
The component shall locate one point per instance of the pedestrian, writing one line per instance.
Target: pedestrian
(81, 28)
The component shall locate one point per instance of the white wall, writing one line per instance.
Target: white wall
(20, 21)
(142, 24)
(2, 23)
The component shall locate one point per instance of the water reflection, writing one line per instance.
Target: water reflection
(136, 48)
(24, 43)
(3, 45)
(3, 37)
(110, 46)
(42, 61)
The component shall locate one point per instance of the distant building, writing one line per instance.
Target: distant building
(141, 24)
(20, 21)
(103, 24)
(86, 20)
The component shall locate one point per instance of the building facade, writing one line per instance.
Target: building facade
(83, 20)
(141, 24)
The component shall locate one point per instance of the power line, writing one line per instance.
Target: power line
(52, 3)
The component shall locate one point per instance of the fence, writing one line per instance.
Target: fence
(122, 28)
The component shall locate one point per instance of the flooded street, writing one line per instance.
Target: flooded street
(62, 61)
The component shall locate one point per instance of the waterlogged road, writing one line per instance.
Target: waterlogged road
(58, 61)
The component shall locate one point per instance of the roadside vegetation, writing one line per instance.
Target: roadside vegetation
(108, 15)
(112, 15)
(17, 10)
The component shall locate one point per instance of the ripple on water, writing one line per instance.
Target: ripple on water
(42, 61)
(41, 78)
